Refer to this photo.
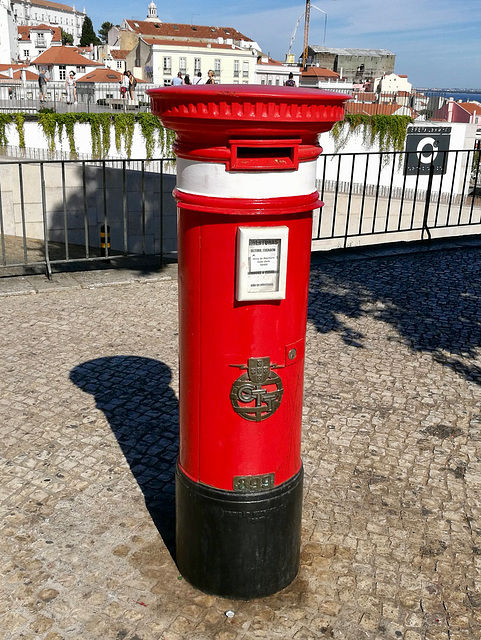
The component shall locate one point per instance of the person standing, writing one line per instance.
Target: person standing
(42, 83)
(199, 79)
(71, 85)
(291, 82)
(177, 81)
(187, 79)
(132, 85)
(211, 78)
(124, 85)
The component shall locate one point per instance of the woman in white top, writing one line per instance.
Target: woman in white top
(71, 85)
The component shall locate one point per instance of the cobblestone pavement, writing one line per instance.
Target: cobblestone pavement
(391, 448)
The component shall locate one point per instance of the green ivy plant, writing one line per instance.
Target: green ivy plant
(5, 119)
(152, 132)
(124, 124)
(19, 121)
(48, 122)
(388, 131)
(54, 124)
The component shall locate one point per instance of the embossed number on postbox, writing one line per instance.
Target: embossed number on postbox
(254, 483)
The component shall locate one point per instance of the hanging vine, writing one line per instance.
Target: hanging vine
(19, 120)
(152, 132)
(124, 124)
(69, 120)
(5, 119)
(388, 131)
(48, 122)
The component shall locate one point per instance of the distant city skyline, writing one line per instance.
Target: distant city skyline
(436, 43)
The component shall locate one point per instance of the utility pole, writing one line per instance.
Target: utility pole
(306, 33)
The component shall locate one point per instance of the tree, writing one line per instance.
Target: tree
(88, 34)
(67, 38)
(104, 32)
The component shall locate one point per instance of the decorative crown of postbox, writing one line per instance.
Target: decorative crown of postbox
(251, 111)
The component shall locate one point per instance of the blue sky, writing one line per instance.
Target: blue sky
(437, 42)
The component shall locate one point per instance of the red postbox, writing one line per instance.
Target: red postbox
(245, 192)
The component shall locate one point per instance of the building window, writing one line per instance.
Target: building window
(167, 65)
(245, 69)
(278, 81)
(217, 67)
(62, 72)
(183, 65)
(119, 64)
(236, 68)
(25, 53)
(80, 69)
(196, 65)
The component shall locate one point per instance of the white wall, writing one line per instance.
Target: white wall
(35, 139)
(462, 137)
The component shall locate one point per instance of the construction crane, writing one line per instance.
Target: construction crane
(307, 14)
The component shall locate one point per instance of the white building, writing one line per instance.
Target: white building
(32, 41)
(8, 33)
(60, 61)
(269, 71)
(37, 12)
(158, 50)
(392, 83)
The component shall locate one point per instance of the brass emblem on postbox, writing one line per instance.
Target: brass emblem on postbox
(257, 394)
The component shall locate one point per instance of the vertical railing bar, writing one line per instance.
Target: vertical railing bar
(363, 199)
(477, 149)
(124, 208)
(374, 214)
(440, 189)
(321, 195)
(452, 187)
(403, 191)
(106, 224)
(2, 229)
(463, 190)
(143, 207)
(161, 187)
(22, 212)
(388, 208)
(334, 211)
(415, 195)
(349, 200)
(86, 217)
(48, 267)
(427, 202)
(65, 223)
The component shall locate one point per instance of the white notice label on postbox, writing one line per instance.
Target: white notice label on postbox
(261, 263)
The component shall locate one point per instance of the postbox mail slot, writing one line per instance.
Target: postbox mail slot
(264, 155)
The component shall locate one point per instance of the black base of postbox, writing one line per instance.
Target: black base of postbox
(238, 545)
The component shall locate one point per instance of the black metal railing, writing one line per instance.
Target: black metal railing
(53, 213)
(59, 212)
(89, 97)
(397, 196)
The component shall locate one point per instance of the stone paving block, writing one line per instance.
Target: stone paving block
(391, 447)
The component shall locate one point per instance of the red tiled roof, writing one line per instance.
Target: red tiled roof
(119, 54)
(471, 107)
(6, 67)
(370, 109)
(29, 75)
(172, 30)
(270, 61)
(64, 55)
(186, 43)
(320, 72)
(24, 32)
(105, 75)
